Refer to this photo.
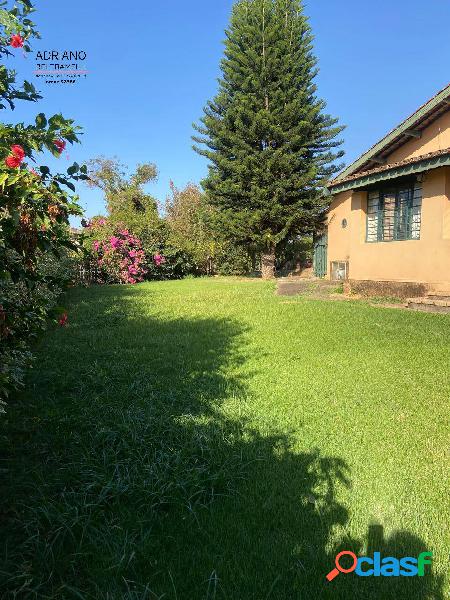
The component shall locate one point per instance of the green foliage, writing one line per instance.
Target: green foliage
(194, 228)
(127, 204)
(60, 268)
(23, 311)
(233, 260)
(34, 208)
(270, 146)
(187, 237)
(177, 264)
(12, 22)
(295, 252)
(190, 222)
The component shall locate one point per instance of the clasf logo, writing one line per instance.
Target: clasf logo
(365, 566)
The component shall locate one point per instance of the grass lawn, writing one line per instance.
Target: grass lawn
(206, 439)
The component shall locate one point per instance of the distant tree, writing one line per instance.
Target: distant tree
(127, 204)
(270, 147)
(189, 218)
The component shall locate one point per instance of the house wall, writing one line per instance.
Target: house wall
(435, 137)
(418, 261)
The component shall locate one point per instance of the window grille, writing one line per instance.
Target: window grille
(394, 214)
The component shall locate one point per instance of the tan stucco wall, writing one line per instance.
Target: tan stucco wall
(426, 260)
(435, 137)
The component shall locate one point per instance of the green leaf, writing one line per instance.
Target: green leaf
(28, 87)
(41, 121)
(73, 169)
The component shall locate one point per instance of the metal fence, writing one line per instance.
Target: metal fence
(88, 273)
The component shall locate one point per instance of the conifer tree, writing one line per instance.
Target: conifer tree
(271, 149)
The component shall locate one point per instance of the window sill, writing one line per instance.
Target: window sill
(390, 241)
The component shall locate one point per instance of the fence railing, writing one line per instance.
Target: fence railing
(88, 273)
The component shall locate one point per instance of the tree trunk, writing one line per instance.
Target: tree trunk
(268, 263)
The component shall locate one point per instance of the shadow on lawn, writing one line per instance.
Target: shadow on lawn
(142, 477)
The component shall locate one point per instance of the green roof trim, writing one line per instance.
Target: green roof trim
(401, 171)
(409, 123)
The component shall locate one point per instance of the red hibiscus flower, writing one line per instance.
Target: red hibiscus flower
(18, 151)
(13, 161)
(16, 41)
(60, 145)
(63, 319)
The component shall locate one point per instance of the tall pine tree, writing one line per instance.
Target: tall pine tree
(270, 147)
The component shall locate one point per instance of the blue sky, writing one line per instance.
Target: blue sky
(153, 65)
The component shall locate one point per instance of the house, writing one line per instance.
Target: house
(388, 225)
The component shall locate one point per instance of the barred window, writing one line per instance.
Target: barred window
(394, 214)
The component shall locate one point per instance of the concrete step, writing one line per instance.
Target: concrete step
(291, 286)
(444, 295)
(430, 304)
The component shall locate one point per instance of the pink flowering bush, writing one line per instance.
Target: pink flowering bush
(105, 241)
(120, 258)
(159, 259)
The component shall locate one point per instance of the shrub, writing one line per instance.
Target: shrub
(176, 264)
(121, 258)
(23, 312)
(34, 208)
(189, 222)
(233, 260)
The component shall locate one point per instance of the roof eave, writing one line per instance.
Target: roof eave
(400, 171)
(433, 105)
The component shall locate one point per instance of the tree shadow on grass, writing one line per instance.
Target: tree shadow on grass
(134, 472)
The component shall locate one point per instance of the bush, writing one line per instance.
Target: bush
(176, 264)
(120, 258)
(34, 209)
(234, 260)
(23, 313)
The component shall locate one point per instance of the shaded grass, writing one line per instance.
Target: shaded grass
(202, 439)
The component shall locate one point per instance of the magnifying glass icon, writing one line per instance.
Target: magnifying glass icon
(339, 568)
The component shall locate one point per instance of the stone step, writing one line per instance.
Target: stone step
(290, 286)
(434, 304)
(426, 300)
(439, 295)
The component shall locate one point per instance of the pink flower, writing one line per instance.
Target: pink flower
(63, 319)
(122, 257)
(159, 260)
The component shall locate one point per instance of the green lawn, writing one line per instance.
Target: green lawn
(206, 439)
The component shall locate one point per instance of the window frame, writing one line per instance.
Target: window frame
(398, 191)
